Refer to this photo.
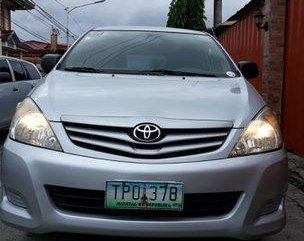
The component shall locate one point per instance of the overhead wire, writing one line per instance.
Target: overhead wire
(53, 20)
(75, 21)
(38, 36)
(48, 20)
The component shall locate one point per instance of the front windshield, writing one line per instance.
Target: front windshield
(148, 52)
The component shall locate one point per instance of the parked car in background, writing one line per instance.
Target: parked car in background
(17, 79)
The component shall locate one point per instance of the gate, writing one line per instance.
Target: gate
(244, 41)
(293, 105)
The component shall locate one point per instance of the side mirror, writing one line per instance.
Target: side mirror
(49, 61)
(5, 77)
(250, 70)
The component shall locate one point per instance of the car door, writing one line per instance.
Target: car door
(8, 96)
(24, 84)
(33, 74)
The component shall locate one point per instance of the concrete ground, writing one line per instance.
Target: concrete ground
(294, 230)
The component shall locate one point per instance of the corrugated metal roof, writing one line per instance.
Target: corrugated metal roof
(38, 46)
(247, 9)
(243, 12)
(229, 23)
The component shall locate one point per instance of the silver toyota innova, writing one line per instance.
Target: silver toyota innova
(145, 132)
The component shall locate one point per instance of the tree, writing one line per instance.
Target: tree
(189, 14)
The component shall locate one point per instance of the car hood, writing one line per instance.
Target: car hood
(65, 94)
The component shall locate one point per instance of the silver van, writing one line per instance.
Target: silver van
(17, 79)
(145, 132)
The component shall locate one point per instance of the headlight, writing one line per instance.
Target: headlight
(29, 126)
(262, 135)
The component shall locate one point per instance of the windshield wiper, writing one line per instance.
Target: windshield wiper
(179, 73)
(83, 69)
(106, 71)
(141, 72)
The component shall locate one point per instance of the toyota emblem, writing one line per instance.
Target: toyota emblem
(147, 133)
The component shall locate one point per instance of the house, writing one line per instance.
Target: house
(10, 43)
(270, 32)
(36, 49)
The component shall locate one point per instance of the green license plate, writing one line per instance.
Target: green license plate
(167, 196)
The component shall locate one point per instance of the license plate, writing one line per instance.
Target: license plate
(167, 196)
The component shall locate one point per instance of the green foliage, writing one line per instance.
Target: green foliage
(188, 14)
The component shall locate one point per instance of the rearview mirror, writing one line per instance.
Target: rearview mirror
(49, 61)
(250, 70)
(5, 77)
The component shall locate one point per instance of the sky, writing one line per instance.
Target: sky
(109, 13)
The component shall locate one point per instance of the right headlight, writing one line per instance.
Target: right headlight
(262, 135)
(29, 126)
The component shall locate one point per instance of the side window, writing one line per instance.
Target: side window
(32, 72)
(19, 71)
(4, 68)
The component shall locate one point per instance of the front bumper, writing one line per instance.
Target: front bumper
(26, 170)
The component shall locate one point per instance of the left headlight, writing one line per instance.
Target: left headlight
(262, 135)
(29, 126)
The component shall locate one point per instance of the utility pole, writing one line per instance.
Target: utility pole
(69, 10)
(1, 24)
(218, 13)
(54, 39)
(0, 43)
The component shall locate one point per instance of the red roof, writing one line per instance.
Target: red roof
(59, 46)
(40, 46)
(36, 45)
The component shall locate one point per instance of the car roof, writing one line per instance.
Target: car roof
(11, 58)
(151, 29)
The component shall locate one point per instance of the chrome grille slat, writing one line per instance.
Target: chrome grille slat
(180, 137)
(101, 144)
(174, 142)
(166, 150)
(158, 151)
(125, 137)
(105, 134)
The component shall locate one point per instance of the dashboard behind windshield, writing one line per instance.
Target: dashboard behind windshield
(148, 52)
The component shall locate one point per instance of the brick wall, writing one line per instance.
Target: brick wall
(274, 45)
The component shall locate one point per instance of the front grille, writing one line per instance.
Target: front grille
(173, 142)
(92, 202)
